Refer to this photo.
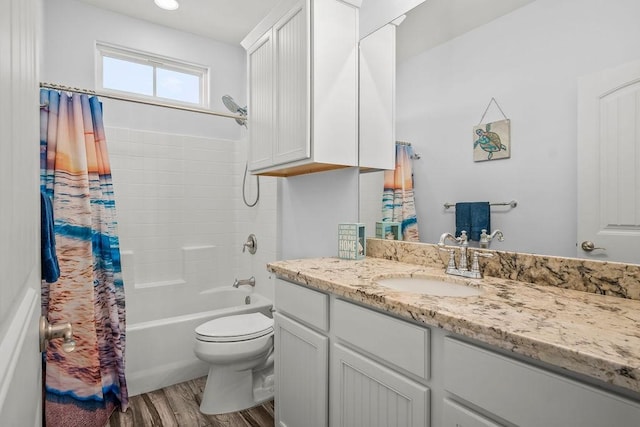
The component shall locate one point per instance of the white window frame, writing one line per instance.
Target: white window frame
(155, 61)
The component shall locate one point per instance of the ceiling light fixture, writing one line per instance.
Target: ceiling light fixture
(167, 4)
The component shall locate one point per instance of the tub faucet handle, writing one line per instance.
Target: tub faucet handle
(251, 243)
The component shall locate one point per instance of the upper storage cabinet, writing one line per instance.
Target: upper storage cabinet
(302, 64)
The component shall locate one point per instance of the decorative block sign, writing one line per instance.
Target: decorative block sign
(388, 230)
(351, 241)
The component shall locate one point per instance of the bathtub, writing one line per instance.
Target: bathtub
(159, 353)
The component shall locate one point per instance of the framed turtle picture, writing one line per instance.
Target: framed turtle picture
(492, 141)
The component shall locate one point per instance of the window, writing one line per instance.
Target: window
(143, 75)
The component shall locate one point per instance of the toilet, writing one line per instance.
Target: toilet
(239, 351)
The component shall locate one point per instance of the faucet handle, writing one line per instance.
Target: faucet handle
(475, 265)
(451, 265)
(463, 239)
(485, 238)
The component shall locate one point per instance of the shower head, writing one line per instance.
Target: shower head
(235, 108)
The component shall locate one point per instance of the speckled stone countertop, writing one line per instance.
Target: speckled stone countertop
(590, 334)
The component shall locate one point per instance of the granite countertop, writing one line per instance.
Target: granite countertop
(594, 335)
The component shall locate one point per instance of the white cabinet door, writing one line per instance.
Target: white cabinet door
(365, 393)
(261, 102)
(291, 52)
(301, 368)
(609, 163)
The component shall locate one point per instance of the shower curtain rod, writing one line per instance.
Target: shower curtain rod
(139, 101)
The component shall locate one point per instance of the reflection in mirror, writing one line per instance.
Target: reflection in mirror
(530, 59)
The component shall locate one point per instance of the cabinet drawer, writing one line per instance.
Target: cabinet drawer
(395, 341)
(307, 305)
(529, 396)
(456, 415)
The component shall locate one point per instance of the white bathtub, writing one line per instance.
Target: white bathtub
(159, 353)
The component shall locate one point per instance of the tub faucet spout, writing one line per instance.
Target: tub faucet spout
(251, 281)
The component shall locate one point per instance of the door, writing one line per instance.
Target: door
(609, 164)
(301, 368)
(20, 359)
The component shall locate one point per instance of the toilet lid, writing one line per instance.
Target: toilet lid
(240, 327)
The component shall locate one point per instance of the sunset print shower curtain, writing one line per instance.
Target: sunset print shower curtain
(84, 386)
(398, 203)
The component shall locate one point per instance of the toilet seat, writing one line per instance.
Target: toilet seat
(241, 327)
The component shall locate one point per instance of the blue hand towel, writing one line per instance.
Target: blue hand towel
(48, 258)
(473, 217)
(463, 218)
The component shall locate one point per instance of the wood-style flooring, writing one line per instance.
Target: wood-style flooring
(179, 406)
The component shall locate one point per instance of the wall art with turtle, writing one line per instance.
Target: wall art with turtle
(492, 141)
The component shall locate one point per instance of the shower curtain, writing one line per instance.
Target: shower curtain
(398, 204)
(83, 387)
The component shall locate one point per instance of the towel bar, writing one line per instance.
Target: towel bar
(512, 204)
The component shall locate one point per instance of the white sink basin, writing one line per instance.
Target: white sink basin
(426, 286)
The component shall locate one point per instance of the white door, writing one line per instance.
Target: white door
(609, 164)
(20, 359)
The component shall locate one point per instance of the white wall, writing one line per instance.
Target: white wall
(311, 207)
(529, 60)
(177, 175)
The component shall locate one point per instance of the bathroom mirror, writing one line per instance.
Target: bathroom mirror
(453, 57)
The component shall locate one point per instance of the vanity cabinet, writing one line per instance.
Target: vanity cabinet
(302, 64)
(343, 364)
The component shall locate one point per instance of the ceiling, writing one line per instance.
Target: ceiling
(224, 20)
(432, 23)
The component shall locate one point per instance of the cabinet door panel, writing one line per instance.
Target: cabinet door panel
(301, 368)
(260, 63)
(291, 44)
(365, 393)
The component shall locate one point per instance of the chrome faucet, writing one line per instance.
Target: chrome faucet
(486, 239)
(251, 281)
(462, 268)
